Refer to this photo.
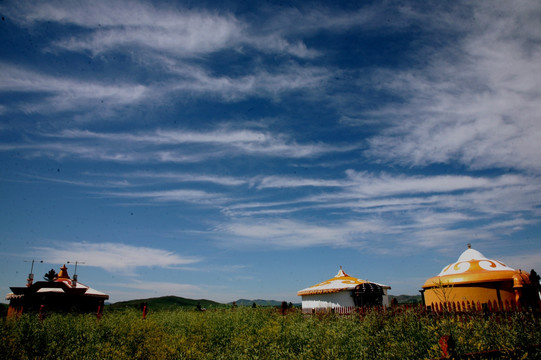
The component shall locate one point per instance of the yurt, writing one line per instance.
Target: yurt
(342, 293)
(475, 278)
(62, 294)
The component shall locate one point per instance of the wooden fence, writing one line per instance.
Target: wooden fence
(436, 308)
(472, 306)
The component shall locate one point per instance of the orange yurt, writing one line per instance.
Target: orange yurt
(475, 278)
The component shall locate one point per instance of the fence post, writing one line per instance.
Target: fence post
(447, 345)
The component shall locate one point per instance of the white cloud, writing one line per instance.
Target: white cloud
(265, 182)
(523, 261)
(478, 100)
(66, 93)
(112, 256)
(176, 195)
(182, 177)
(138, 25)
(286, 233)
(163, 145)
(195, 80)
(410, 211)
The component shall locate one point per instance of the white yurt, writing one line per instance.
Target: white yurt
(342, 293)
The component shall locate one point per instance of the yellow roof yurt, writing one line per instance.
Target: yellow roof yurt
(342, 293)
(475, 278)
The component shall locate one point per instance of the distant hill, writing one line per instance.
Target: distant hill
(406, 299)
(259, 302)
(174, 302)
(166, 303)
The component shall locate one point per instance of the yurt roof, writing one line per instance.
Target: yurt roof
(471, 267)
(340, 282)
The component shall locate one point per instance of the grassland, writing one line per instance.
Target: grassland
(262, 333)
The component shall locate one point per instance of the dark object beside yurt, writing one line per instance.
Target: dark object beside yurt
(368, 294)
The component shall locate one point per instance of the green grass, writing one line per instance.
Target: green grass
(262, 333)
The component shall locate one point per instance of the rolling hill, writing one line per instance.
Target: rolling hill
(406, 299)
(173, 302)
(166, 302)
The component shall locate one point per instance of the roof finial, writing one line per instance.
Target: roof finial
(469, 246)
(63, 274)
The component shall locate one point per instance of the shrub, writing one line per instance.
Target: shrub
(262, 333)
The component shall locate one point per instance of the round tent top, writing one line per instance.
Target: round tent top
(341, 273)
(471, 267)
(340, 282)
(471, 254)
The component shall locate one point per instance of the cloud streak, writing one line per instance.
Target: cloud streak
(480, 108)
(115, 257)
(62, 94)
(170, 145)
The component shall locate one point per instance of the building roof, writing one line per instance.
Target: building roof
(65, 286)
(340, 282)
(472, 267)
(61, 285)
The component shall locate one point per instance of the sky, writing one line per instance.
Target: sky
(239, 149)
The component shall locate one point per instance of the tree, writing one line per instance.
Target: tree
(50, 276)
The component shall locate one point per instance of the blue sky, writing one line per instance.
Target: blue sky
(229, 150)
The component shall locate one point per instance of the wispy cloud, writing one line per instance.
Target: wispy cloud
(259, 82)
(180, 31)
(266, 182)
(477, 102)
(374, 185)
(64, 93)
(176, 195)
(432, 211)
(285, 233)
(524, 261)
(114, 257)
(161, 40)
(174, 146)
(176, 177)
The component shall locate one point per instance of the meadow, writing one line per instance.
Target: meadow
(264, 333)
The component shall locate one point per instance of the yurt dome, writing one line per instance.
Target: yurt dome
(475, 278)
(472, 267)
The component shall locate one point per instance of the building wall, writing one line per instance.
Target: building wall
(333, 300)
(327, 301)
(385, 297)
(481, 292)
